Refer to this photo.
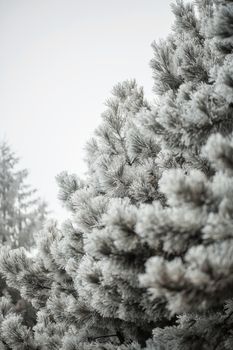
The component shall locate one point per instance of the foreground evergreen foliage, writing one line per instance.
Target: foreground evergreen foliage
(146, 260)
(21, 213)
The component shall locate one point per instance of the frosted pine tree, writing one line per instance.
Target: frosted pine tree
(145, 262)
(77, 286)
(194, 270)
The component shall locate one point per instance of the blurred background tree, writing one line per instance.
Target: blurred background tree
(22, 211)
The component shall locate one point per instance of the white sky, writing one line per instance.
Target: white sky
(59, 60)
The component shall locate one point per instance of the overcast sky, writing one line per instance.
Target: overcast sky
(59, 60)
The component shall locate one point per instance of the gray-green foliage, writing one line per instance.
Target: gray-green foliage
(146, 259)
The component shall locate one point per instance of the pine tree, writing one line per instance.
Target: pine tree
(76, 263)
(195, 229)
(145, 261)
(21, 211)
